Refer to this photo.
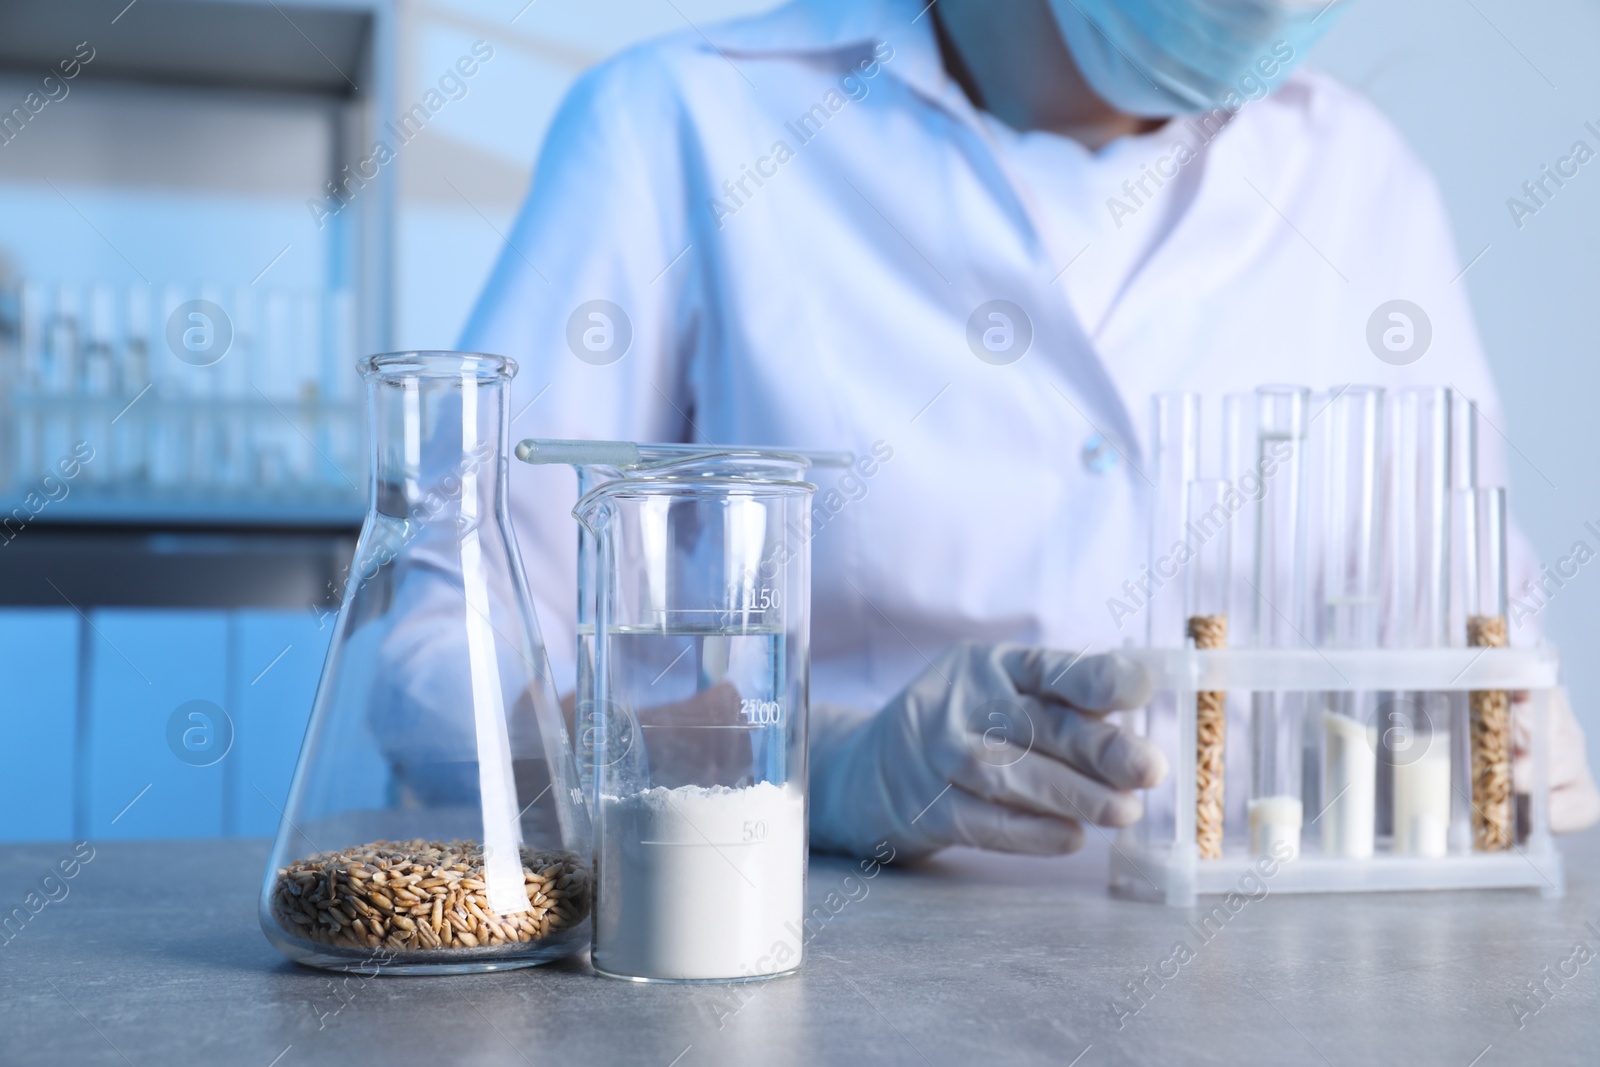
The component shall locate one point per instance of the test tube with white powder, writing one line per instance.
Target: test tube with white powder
(1421, 792)
(1349, 784)
(1352, 436)
(1275, 809)
(1414, 738)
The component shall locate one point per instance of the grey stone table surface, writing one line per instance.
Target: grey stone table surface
(153, 956)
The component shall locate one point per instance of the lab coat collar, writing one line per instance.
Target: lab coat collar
(846, 27)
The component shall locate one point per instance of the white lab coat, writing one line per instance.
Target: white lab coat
(828, 307)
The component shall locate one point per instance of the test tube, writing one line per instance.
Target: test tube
(1414, 736)
(1422, 477)
(341, 382)
(307, 461)
(273, 380)
(99, 356)
(1174, 463)
(1239, 457)
(1177, 460)
(1275, 809)
(1210, 581)
(238, 460)
(1463, 476)
(131, 442)
(1351, 460)
(1464, 441)
(63, 349)
(167, 415)
(10, 362)
(1493, 800)
(30, 383)
(204, 445)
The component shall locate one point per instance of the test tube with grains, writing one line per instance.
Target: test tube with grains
(1493, 799)
(1212, 504)
(1493, 820)
(1175, 419)
(1211, 736)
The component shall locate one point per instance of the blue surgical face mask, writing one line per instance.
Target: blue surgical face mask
(1158, 58)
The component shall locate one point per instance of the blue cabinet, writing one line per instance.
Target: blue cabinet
(143, 723)
(158, 733)
(278, 657)
(39, 669)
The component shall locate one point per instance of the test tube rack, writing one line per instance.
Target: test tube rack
(1172, 872)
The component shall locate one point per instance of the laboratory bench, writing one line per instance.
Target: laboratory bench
(108, 630)
(154, 956)
(284, 566)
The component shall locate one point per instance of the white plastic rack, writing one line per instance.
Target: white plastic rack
(1172, 872)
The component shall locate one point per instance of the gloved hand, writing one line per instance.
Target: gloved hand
(1574, 800)
(1002, 747)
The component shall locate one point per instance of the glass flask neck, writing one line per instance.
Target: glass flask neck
(439, 430)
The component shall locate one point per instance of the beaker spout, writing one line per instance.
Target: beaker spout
(594, 509)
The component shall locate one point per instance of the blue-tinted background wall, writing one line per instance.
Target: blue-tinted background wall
(1487, 91)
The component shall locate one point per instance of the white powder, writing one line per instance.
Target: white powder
(1422, 801)
(1275, 821)
(1350, 784)
(701, 883)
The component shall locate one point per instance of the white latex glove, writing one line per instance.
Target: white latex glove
(1574, 800)
(1001, 747)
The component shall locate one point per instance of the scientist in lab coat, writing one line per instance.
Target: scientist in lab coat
(967, 241)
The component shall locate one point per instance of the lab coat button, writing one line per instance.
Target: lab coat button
(1099, 455)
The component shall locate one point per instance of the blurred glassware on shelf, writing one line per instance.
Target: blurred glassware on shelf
(200, 404)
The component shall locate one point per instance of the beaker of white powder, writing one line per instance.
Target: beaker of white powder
(701, 664)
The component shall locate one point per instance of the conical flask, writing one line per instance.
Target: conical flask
(434, 823)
